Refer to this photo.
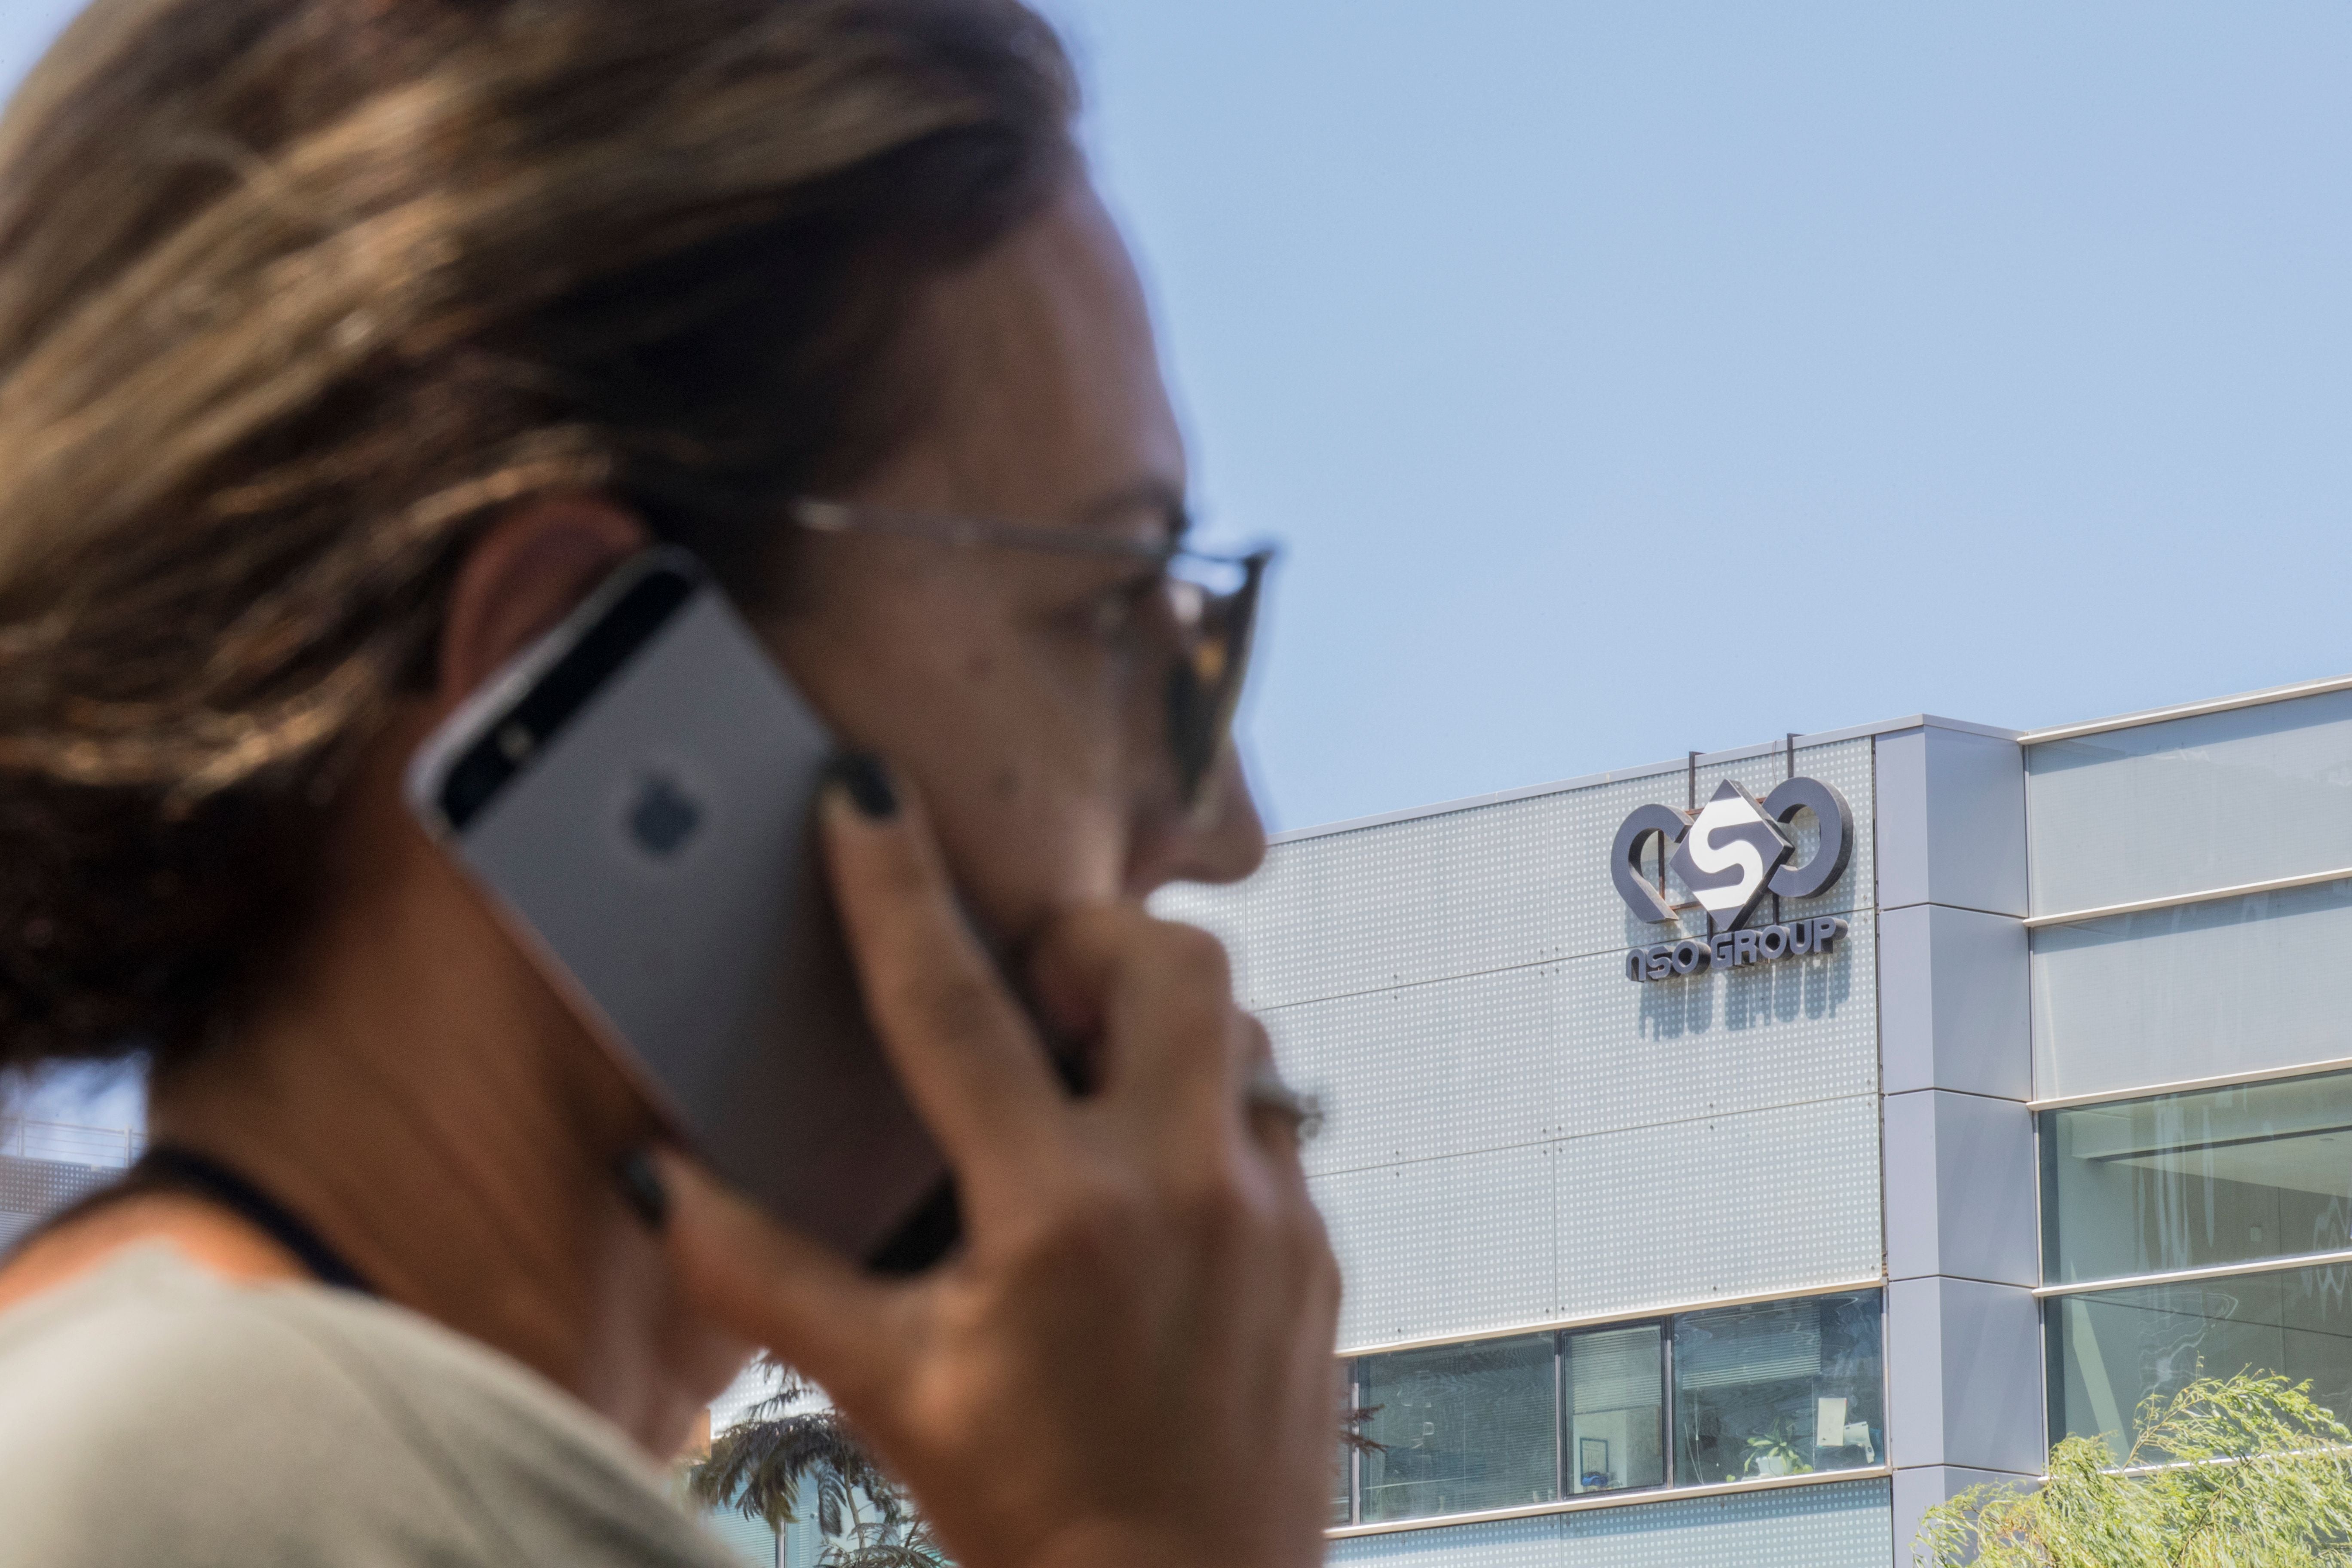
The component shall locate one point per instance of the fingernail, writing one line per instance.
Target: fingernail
(862, 774)
(642, 1189)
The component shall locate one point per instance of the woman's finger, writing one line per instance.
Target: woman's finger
(967, 1054)
(1281, 1120)
(1176, 1049)
(774, 1287)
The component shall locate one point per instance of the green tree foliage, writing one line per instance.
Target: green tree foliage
(784, 1456)
(2237, 1472)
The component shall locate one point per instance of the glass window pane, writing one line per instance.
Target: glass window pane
(2191, 805)
(1460, 1428)
(2116, 1347)
(1343, 1501)
(1781, 1389)
(2190, 1181)
(1617, 1409)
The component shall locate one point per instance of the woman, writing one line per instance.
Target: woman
(344, 346)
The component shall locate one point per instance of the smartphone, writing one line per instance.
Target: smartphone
(635, 793)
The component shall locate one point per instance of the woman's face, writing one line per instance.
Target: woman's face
(1021, 690)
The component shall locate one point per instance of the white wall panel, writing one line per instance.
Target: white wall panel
(1779, 1033)
(1845, 1526)
(1492, 887)
(1771, 1200)
(1664, 1215)
(1952, 820)
(1418, 1071)
(1443, 1247)
(1517, 1133)
(1953, 1002)
(32, 1190)
(1842, 1525)
(1511, 1544)
(1964, 1370)
(2185, 806)
(2204, 991)
(1564, 1049)
(1960, 1178)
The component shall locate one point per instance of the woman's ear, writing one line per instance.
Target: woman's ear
(531, 570)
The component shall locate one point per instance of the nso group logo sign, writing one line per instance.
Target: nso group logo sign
(1731, 853)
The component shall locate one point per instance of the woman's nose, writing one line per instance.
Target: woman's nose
(1222, 839)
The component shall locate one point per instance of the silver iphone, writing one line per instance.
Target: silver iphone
(634, 795)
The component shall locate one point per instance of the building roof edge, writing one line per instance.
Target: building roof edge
(2197, 710)
(1649, 770)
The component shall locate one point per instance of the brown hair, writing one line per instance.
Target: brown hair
(294, 293)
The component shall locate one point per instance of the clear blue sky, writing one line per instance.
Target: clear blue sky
(1628, 379)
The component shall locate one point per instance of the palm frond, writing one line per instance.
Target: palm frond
(781, 1459)
(756, 1467)
(1352, 1435)
(883, 1556)
(889, 1548)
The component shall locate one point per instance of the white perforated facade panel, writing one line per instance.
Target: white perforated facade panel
(1571, 1048)
(1844, 1525)
(1730, 1206)
(1634, 1054)
(1487, 888)
(1512, 1543)
(1445, 1068)
(1517, 1133)
(1670, 1215)
(1435, 1247)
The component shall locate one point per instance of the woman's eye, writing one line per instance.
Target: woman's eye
(1113, 613)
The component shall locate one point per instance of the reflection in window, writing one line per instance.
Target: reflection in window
(1759, 1391)
(2113, 1349)
(1616, 1409)
(1781, 1389)
(1343, 1468)
(2189, 1181)
(1460, 1428)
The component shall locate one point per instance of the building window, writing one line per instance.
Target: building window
(2178, 1182)
(1460, 1428)
(1756, 1393)
(1616, 1408)
(2229, 1184)
(2112, 1350)
(1343, 1466)
(1786, 1388)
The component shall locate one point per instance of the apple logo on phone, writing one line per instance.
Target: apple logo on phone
(665, 815)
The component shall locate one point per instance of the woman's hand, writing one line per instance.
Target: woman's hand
(1128, 1364)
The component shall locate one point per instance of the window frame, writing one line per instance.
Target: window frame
(2047, 1155)
(1664, 1324)
(2052, 1295)
(1563, 1414)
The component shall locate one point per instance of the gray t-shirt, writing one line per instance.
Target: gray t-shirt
(152, 1416)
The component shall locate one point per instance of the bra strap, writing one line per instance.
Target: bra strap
(169, 1167)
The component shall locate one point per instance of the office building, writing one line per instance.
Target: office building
(1728, 1168)
(1732, 1157)
(45, 1165)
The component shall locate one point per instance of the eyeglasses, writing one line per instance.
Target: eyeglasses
(1211, 601)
